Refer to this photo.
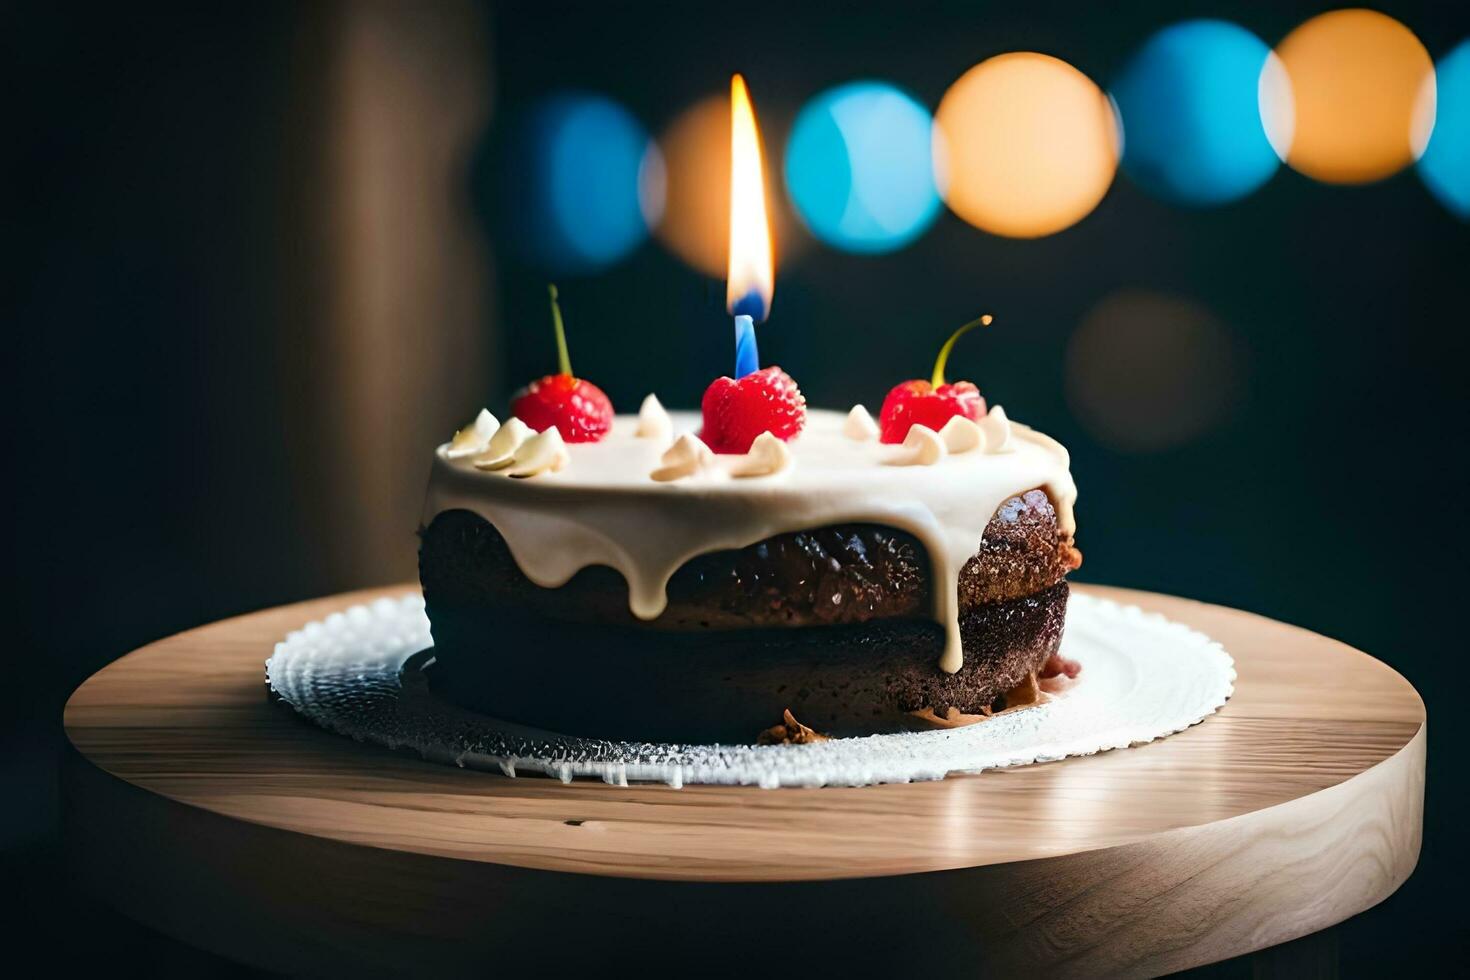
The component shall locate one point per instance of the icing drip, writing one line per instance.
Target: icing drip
(605, 509)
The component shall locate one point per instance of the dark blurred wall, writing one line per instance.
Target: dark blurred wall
(250, 289)
(385, 326)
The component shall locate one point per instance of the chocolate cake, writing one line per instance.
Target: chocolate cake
(634, 589)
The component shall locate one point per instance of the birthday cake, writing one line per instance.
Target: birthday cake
(756, 571)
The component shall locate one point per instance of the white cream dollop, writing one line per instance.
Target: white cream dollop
(653, 420)
(542, 453)
(767, 456)
(500, 451)
(921, 447)
(961, 435)
(997, 431)
(859, 425)
(473, 438)
(686, 457)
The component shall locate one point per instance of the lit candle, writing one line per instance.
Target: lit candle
(751, 271)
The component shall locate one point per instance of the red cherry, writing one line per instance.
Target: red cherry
(579, 409)
(576, 407)
(736, 412)
(920, 403)
(931, 403)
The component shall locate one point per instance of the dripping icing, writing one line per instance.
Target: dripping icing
(603, 508)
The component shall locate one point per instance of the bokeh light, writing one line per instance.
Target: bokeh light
(1025, 145)
(1445, 165)
(1357, 77)
(860, 169)
(695, 154)
(582, 183)
(1191, 102)
(1148, 372)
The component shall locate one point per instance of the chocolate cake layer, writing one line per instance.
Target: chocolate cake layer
(833, 624)
(622, 682)
(855, 573)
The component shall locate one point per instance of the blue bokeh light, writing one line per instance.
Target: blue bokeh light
(1445, 165)
(581, 183)
(1190, 104)
(859, 167)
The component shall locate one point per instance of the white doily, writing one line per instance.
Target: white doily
(1143, 677)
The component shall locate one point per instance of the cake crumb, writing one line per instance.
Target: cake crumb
(1029, 693)
(790, 732)
(952, 718)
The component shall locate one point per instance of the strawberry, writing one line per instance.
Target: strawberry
(735, 412)
(931, 403)
(578, 408)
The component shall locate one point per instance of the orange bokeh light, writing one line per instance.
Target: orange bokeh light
(1147, 371)
(1025, 145)
(696, 219)
(695, 224)
(1358, 83)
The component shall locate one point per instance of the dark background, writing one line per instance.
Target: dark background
(160, 240)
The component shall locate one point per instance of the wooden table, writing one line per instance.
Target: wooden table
(199, 807)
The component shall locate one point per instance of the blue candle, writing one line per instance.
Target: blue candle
(747, 358)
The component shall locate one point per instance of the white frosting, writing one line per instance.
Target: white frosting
(767, 457)
(501, 450)
(997, 431)
(604, 509)
(689, 457)
(921, 447)
(473, 438)
(686, 457)
(653, 422)
(961, 435)
(860, 426)
(545, 452)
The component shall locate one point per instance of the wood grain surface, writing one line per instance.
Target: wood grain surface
(199, 807)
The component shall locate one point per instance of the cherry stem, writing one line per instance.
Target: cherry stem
(563, 359)
(937, 378)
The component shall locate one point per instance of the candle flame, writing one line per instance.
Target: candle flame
(752, 278)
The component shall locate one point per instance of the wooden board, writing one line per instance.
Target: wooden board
(196, 805)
